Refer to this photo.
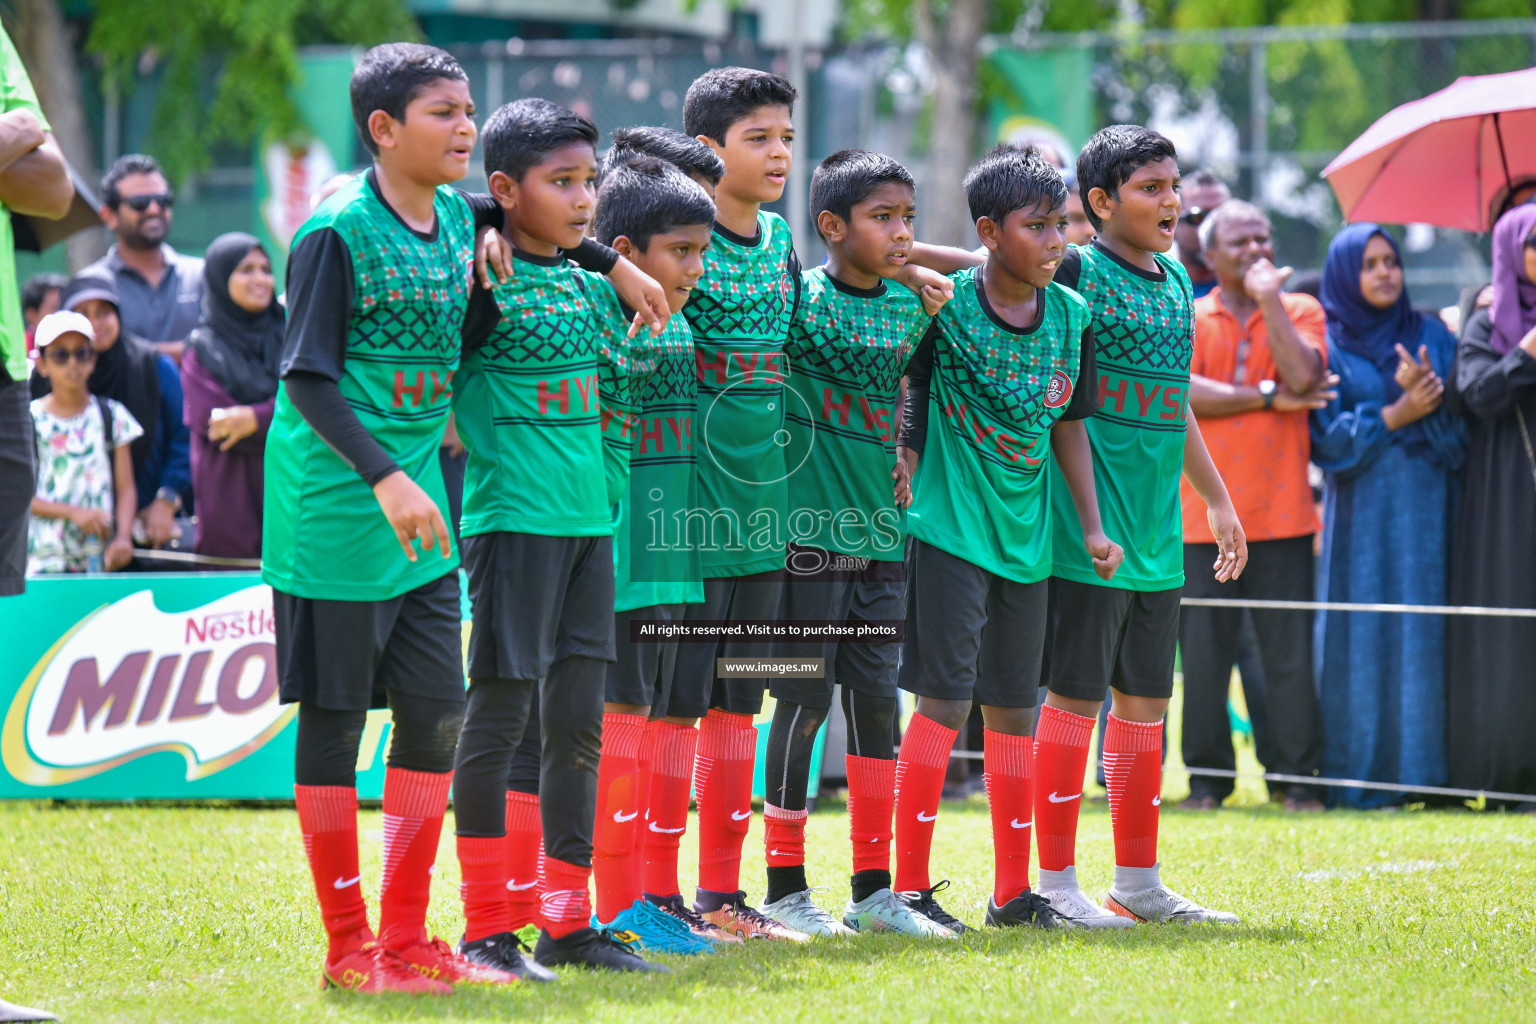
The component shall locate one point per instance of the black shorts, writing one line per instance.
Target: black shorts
(347, 655)
(1104, 637)
(872, 593)
(18, 482)
(536, 600)
(971, 634)
(641, 673)
(726, 598)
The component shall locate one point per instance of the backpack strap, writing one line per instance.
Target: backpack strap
(108, 437)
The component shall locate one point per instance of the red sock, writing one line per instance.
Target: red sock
(483, 866)
(413, 821)
(1133, 774)
(521, 851)
(871, 798)
(1061, 757)
(727, 745)
(645, 764)
(784, 836)
(328, 820)
(667, 817)
(920, 771)
(1008, 764)
(618, 807)
(566, 905)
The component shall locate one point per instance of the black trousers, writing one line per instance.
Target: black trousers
(1209, 640)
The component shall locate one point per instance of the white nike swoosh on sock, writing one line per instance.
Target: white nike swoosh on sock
(1053, 798)
(346, 883)
(740, 815)
(1016, 823)
(621, 817)
(667, 831)
(1157, 801)
(520, 888)
(930, 817)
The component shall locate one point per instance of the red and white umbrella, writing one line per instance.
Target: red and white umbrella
(1445, 159)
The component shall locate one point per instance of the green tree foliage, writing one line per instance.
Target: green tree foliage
(228, 63)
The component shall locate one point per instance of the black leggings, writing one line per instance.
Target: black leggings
(422, 739)
(792, 740)
(509, 719)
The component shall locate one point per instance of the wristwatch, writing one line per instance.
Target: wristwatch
(1267, 388)
(171, 495)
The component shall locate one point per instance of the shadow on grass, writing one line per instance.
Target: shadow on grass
(777, 968)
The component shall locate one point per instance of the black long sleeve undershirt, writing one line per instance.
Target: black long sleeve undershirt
(319, 400)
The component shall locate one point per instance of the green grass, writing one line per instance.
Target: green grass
(205, 914)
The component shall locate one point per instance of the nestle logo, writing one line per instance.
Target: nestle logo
(234, 625)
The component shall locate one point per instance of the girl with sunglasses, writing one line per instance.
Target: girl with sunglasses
(85, 500)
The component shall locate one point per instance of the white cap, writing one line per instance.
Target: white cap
(64, 321)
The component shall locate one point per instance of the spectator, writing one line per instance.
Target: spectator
(1492, 706)
(161, 290)
(1389, 451)
(1259, 365)
(1079, 227)
(1203, 192)
(82, 512)
(229, 383)
(39, 297)
(147, 382)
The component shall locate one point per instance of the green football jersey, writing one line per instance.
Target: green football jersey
(527, 409)
(648, 402)
(848, 348)
(1144, 327)
(981, 491)
(740, 314)
(378, 308)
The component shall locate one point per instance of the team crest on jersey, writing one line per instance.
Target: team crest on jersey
(1059, 391)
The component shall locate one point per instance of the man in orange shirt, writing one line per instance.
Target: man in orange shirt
(1259, 365)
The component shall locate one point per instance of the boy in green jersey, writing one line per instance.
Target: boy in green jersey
(1121, 634)
(740, 315)
(537, 537)
(377, 287)
(1010, 361)
(655, 216)
(848, 347)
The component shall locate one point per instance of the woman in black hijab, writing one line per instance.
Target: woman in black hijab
(135, 374)
(229, 379)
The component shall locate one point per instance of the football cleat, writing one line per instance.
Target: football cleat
(676, 907)
(435, 959)
(921, 901)
(372, 969)
(884, 911)
(505, 952)
(1073, 906)
(594, 950)
(744, 922)
(645, 927)
(1028, 910)
(1160, 904)
(799, 913)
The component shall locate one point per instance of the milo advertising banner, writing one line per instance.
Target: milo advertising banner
(137, 686)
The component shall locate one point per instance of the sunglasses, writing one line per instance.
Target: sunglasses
(61, 356)
(1194, 217)
(139, 204)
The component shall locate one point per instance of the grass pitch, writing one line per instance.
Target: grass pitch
(205, 914)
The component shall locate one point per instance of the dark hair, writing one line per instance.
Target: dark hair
(38, 286)
(522, 133)
(848, 177)
(390, 76)
(131, 163)
(646, 196)
(1115, 153)
(1206, 177)
(684, 152)
(720, 97)
(1012, 178)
